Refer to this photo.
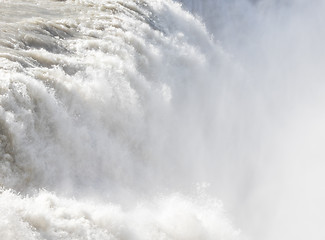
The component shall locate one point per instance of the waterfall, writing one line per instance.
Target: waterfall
(161, 120)
(100, 122)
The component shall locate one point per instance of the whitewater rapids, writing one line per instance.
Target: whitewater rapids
(94, 97)
(162, 119)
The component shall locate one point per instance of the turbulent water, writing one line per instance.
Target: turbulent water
(162, 120)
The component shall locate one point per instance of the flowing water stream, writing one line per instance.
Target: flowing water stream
(162, 120)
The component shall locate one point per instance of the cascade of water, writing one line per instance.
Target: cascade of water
(107, 105)
(113, 111)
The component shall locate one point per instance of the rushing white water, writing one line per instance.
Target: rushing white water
(101, 136)
(125, 119)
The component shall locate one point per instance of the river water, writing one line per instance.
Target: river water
(161, 120)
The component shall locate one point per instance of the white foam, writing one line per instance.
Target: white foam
(47, 216)
(96, 101)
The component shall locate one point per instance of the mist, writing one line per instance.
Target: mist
(271, 143)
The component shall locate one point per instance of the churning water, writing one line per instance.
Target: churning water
(149, 120)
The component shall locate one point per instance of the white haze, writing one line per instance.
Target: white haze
(129, 119)
(276, 153)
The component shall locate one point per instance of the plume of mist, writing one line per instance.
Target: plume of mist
(273, 152)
